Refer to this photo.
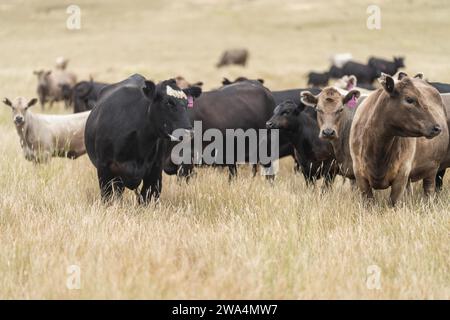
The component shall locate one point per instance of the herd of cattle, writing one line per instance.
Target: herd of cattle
(377, 138)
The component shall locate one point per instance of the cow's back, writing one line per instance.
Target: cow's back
(242, 105)
(120, 111)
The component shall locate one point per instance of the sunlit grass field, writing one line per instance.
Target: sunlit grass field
(211, 238)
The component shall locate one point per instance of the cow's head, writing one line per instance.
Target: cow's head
(399, 62)
(19, 109)
(43, 77)
(169, 104)
(285, 117)
(406, 105)
(330, 106)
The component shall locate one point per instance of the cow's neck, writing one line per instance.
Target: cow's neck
(341, 146)
(383, 146)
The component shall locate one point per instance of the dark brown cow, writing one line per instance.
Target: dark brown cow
(399, 134)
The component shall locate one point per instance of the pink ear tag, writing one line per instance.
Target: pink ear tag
(190, 102)
(352, 102)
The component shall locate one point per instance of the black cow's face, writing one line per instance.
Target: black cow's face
(285, 117)
(169, 108)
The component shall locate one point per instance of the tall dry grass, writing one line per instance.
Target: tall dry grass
(211, 238)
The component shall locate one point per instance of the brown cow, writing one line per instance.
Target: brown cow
(334, 115)
(233, 56)
(399, 134)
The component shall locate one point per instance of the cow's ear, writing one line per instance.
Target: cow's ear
(7, 102)
(32, 102)
(352, 95)
(419, 76)
(388, 83)
(193, 91)
(149, 89)
(198, 84)
(401, 75)
(226, 82)
(352, 80)
(307, 98)
(47, 73)
(261, 80)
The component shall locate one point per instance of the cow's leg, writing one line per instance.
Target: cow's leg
(110, 186)
(398, 188)
(185, 171)
(152, 185)
(232, 172)
(429, 185)
(364, 186)
(439, 180)
(254, 169)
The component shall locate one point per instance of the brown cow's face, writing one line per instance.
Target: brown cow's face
(19, 109)
(408, 107)
(330, 106)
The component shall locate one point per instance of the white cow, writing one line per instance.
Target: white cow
(44, 136)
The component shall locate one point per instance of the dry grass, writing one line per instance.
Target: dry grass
(212, 239)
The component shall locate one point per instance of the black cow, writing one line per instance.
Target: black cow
(317, 79)
(364, 73)
(385, 66)
(85, 94)
(336, 72)
(242, 105)
(315, 155)
(441, 87)
(127, 131)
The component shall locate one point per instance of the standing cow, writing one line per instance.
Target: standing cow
(127, 130)
(43, 136)
(399, 134)
(55, 86)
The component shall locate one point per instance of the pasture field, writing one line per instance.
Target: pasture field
(211, 238)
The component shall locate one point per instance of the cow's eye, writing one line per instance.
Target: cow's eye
(319, 111)
(285, 113)
(410, 100)
(340, 110)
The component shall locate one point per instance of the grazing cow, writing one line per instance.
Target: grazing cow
(399, 134)
(54, 86)
(299, 124)
(441, 87)
(243, 105)
(316, 79)
(364, 73)
(385, 66)
(85, 94)
(336, 72)
(182, 83)
(233, 56)
(334, 116)
(128, 129)
(43, 136)
(340, 59)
